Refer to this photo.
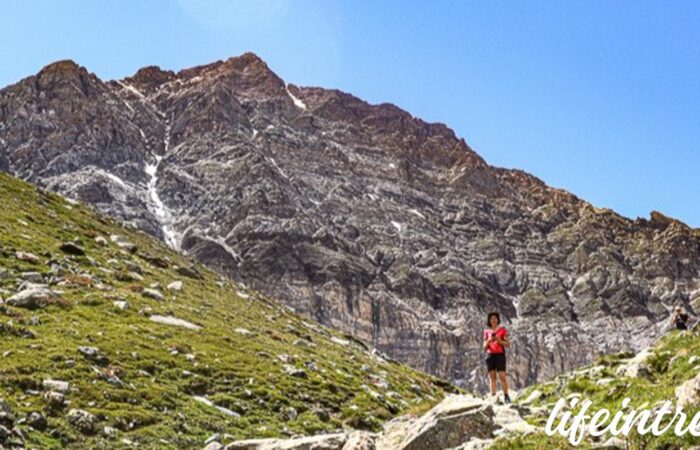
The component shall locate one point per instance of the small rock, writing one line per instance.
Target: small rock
(33, 277)
(37, 421)
(29, 257)
(72, 249)
(89, 352)
(189, 272)
(82, 420)
(122, 305)
(170, 320)
(93, 354)
(339, 341)
(152, 293)
(6, 416)
(175, 286)
(533, 397)
(54, 399)
(293, 371)
(5, 433)
(213, 438)
(109, 432)
(56, 385)
(133, 267)
(99, 240)
(244, 332)
(123, 243)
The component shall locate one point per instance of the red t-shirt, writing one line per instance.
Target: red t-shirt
(495, 347)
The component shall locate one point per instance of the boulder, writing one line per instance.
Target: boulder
(636, 367)
(175, 286)
(82, 420)
(28, 257)
(32, 297)
(72, 249)
(153, 293)
(56, 385)
(453, 422)
(688, 393)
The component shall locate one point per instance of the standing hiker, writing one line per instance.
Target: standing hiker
(495, 343)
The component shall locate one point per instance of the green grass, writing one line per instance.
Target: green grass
(668, 367)
(161, 367)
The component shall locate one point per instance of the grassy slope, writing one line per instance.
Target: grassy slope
(669, 367)
(155, 407)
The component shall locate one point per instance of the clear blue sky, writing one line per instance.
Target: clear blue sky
(601, 98)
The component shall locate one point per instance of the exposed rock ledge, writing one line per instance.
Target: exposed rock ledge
(459, 422)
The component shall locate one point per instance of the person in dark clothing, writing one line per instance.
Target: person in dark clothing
(495, 343)
(680, 319)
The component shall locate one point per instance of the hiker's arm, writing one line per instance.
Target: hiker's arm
(505, 342)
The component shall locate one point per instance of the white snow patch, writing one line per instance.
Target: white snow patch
(297, 102)
(159, 209)
(170, 320)
(143, 135)
(208, 402)
(255, 133)
(270, 127)
(396, 225)
(392, 166)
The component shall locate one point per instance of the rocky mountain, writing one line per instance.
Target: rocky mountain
(361, 216)
(112, 340)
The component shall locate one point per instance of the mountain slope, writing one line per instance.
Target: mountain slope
(110, 339)
(360, 216)
(667, 371)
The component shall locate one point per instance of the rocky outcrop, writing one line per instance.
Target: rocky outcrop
(360, 216)
(459, 421)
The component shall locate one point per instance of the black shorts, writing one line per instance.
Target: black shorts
(496, 362)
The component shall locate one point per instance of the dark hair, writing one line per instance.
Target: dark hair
(491, 314)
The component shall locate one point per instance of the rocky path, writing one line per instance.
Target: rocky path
(459, 422)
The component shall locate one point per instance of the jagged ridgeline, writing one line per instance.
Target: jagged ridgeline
(109, 337)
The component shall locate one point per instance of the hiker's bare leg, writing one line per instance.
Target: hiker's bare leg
(504, 383)
(492, 379)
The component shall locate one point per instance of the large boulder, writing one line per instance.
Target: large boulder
(456, 420)
(32, 297)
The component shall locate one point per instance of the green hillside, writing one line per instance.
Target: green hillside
(112, 353)
(651, 379)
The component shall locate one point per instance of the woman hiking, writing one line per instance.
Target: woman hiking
(495, 343)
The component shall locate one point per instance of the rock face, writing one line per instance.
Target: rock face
(360, 216)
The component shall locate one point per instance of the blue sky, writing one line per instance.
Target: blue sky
(601, 98)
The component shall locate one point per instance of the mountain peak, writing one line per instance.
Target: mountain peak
(63, 66)
(65, 73)
(150, 77)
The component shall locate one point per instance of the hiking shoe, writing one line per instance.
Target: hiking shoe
(506, 399)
